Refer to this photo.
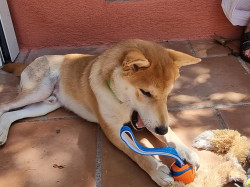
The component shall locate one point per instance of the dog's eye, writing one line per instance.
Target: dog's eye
(148, 94)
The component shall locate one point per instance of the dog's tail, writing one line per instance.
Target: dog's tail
(15, 68)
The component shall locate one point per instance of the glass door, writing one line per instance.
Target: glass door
(1, 58)
(8, 43)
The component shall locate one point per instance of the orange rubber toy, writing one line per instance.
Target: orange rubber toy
(184, 174)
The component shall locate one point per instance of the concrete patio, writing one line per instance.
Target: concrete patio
(213, 94)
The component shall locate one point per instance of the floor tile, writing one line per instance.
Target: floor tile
(208, 48)
(245, 64)
(119, 170)
(61, 112)
(220, 80)
(188, 124)
(63, 138)
(182, 46)
(234, 45)
(34, 147)
(21, 57)
(237, 118)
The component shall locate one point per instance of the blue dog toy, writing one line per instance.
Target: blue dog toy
(180, 170)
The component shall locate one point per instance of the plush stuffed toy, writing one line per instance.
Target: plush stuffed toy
(229, 144)
(233, 149)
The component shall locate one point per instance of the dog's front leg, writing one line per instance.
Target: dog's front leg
(185, 152)
(159, 172)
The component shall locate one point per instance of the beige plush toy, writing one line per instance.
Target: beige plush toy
(233, 149)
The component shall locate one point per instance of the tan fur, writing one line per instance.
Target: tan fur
(74, 74)
(79, 83)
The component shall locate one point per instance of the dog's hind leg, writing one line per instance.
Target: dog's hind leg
(37, 83)
(24, 98)
(33, 110)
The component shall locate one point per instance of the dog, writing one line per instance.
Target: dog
(129, 82)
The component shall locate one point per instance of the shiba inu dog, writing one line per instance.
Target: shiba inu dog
(129, 82)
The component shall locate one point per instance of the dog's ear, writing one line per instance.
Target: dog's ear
(134, 60)
(182, 59)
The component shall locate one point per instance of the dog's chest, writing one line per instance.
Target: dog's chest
(77, 107)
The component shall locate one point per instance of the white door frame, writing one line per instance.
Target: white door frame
(8, 30)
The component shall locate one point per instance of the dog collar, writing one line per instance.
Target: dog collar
(108, 84)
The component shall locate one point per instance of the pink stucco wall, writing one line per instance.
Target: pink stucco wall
(78, 22)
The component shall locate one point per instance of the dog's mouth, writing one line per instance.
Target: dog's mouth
(137, 121)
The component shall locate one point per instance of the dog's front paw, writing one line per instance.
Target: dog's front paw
(189, 155)
(161, 174)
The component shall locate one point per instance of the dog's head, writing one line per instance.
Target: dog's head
(145, 79)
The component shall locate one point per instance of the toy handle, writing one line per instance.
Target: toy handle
(135, 146)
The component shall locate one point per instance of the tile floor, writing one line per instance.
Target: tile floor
(213, 94)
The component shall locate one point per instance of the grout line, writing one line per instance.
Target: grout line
(243, 64)
(26, 57)
(45, 118)
(211, 56)
(220, 119)
(175, 109)
(191, 48)
(215, 56)
(98, 171)
(232, 105)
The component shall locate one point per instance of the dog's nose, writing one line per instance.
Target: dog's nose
(161, 130)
